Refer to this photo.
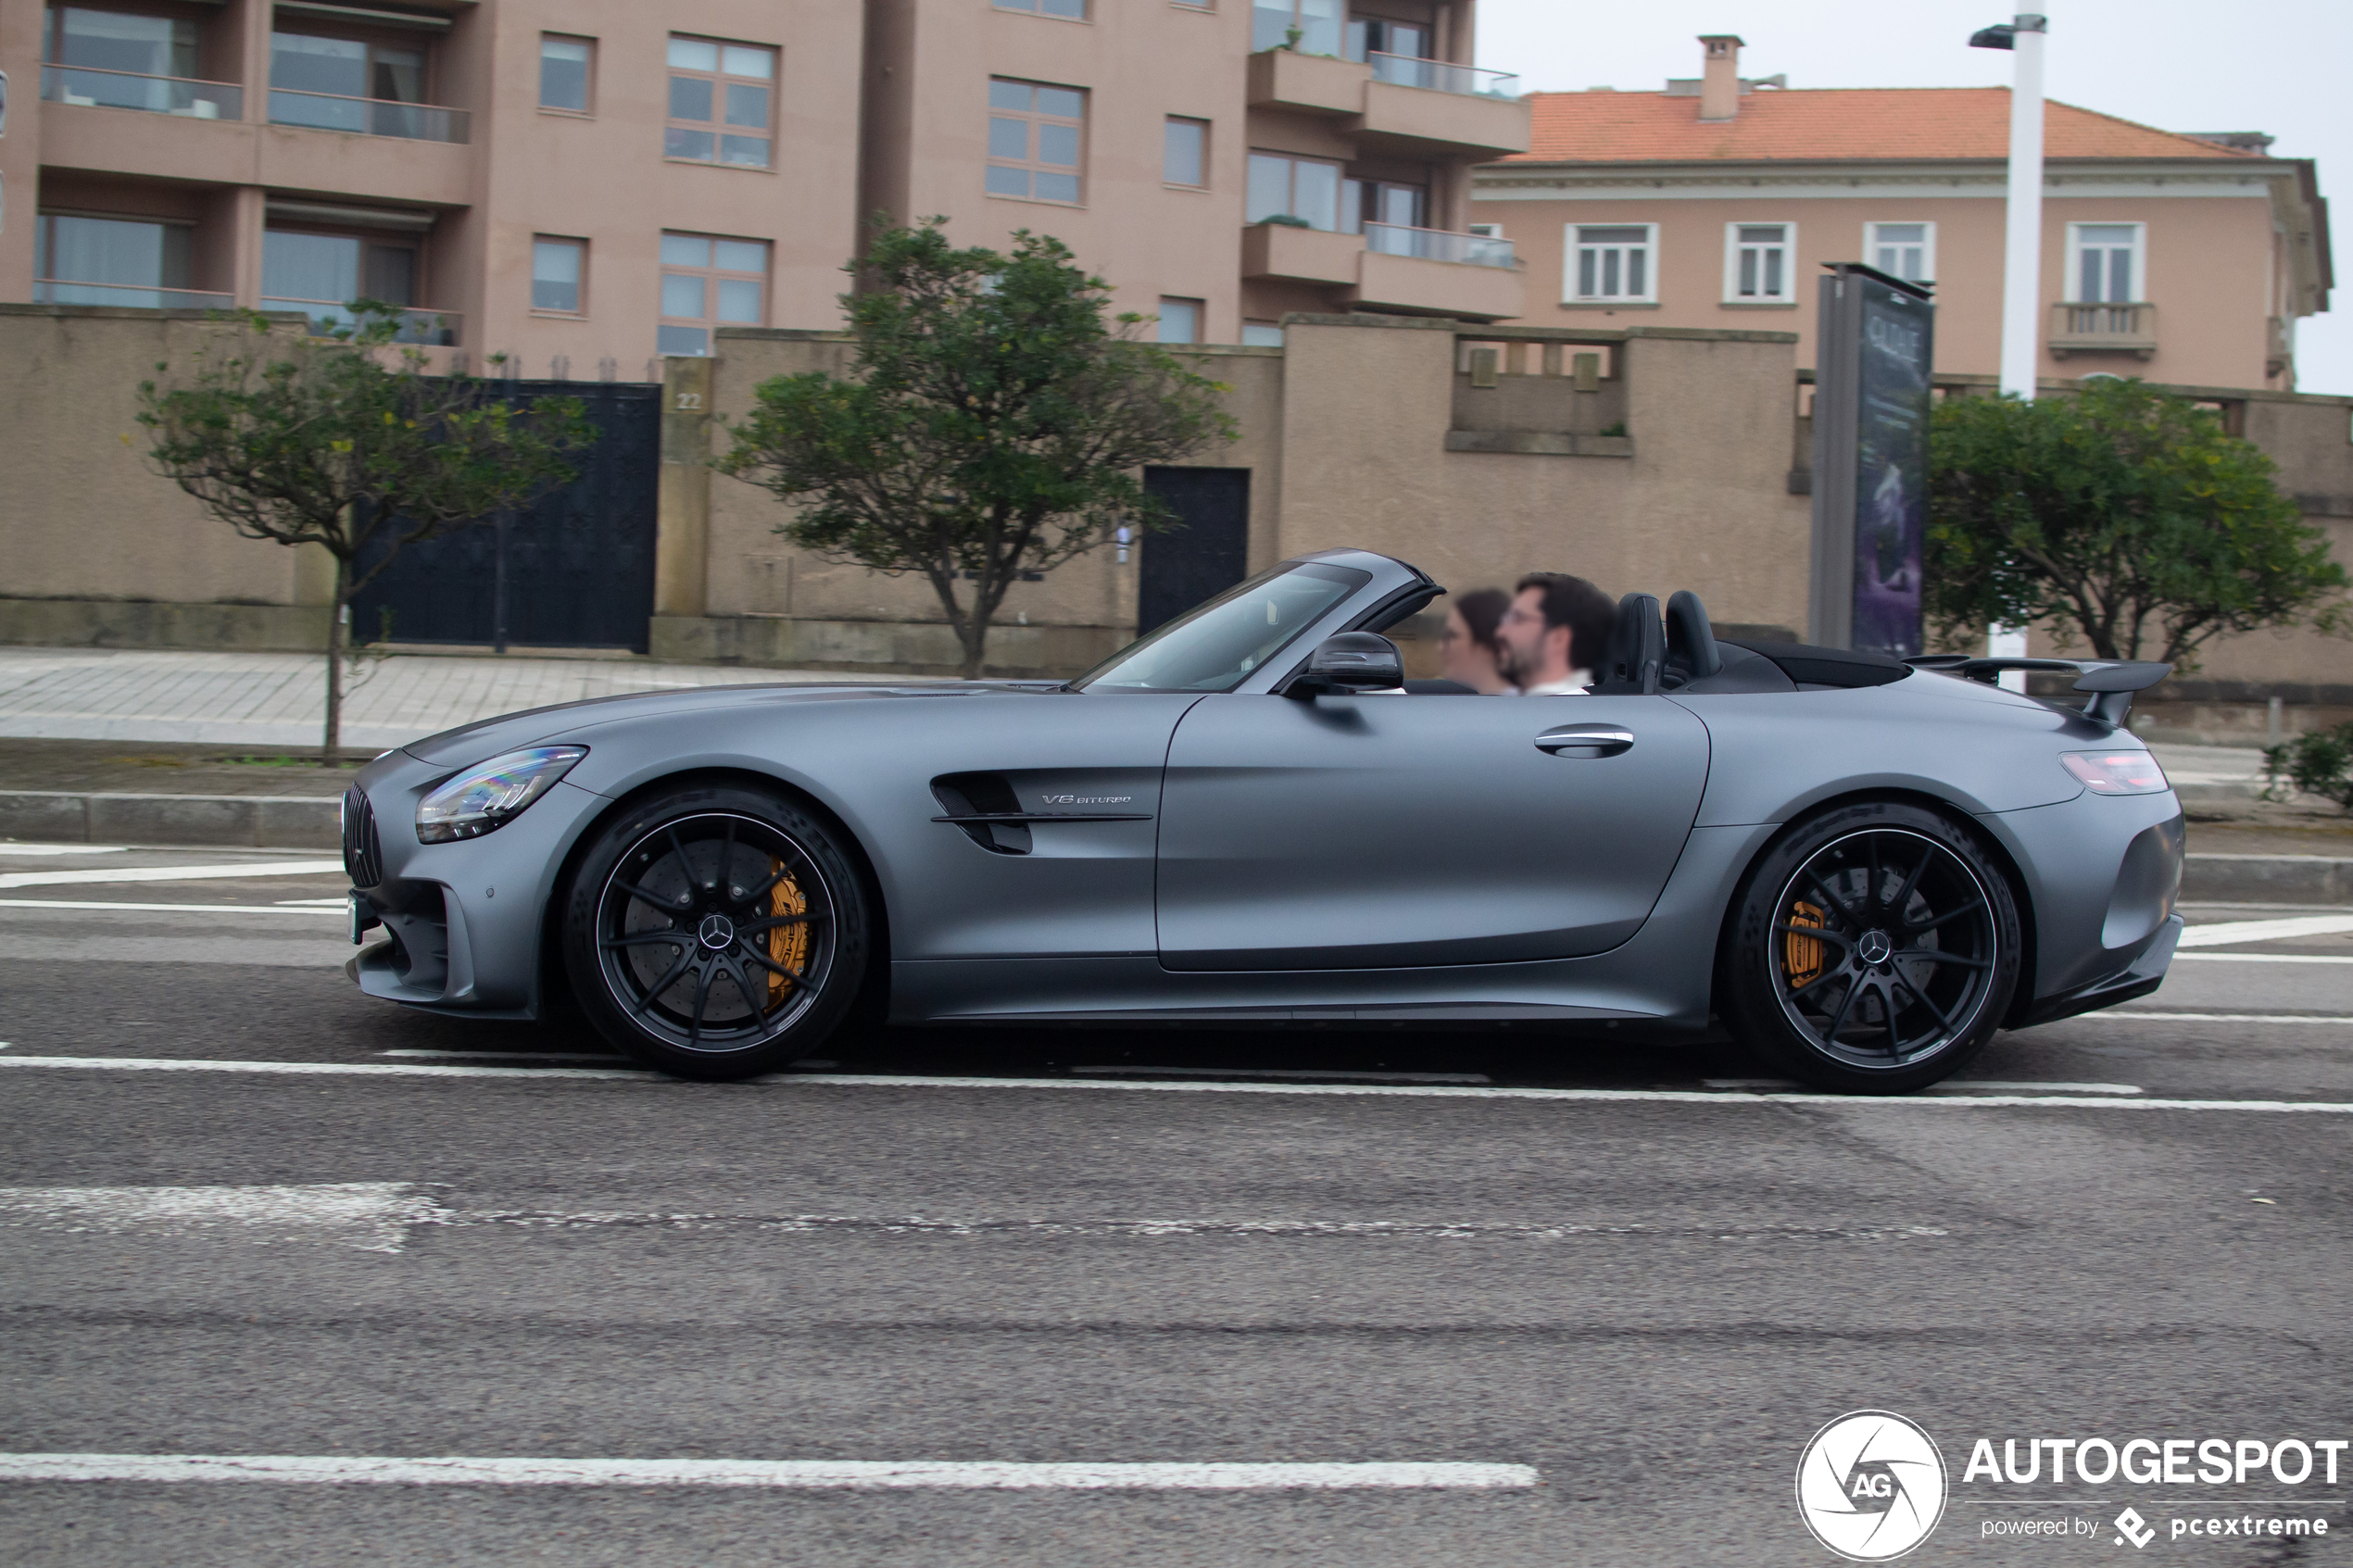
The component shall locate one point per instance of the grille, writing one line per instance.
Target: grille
(363, 858)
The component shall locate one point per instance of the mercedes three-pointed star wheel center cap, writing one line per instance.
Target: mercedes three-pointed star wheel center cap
(1874, 947)
(716, 932)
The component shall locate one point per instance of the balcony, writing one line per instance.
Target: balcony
(1420, 107)
(1299, 254)
(423, 326)
(1423, 285)
(368, 117)
(2103, 329)
(1440, 244)
(85, 87)
(136, 296)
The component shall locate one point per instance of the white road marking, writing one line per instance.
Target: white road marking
(373, 1216)
(2224, 933)
(342, 903)
(225, 872)
(199, 908)
(1430, 1091)
(2262, 958)
(1301, 1074)
(857, 1474)
(1948, 1083)
(2225, 1017)
(62, 849)
(277, 952)
(503, 1056)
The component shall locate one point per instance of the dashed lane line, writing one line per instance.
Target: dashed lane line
(336, 910)
(225, 871)
(2229, 932)
(1116, 1086)
(833, 1475)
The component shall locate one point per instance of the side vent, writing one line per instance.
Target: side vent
(984, 794)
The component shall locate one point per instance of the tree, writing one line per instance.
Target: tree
(318, 442)
(2126, 515)
(992, 422)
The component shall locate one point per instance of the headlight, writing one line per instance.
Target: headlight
(2117, 773)
(493, 794)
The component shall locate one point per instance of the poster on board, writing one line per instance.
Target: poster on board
(1870, 478)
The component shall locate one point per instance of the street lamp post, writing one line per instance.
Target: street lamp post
(2022, 249)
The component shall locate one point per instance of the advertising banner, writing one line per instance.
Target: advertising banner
(1872, 404)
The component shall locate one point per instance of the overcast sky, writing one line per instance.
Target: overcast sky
(2278, 67)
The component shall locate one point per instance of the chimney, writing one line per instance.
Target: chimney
(1719, 85)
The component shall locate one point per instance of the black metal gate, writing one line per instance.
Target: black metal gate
(576, 570)
(1208, 553)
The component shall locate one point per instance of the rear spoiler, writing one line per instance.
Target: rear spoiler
(2111, 681)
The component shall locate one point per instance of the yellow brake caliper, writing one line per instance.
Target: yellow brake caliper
(1804, 956)
(787, 945)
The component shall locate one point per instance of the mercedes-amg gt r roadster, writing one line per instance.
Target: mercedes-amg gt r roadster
(1860, 867)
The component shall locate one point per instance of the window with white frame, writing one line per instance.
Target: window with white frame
(1902, 250)
(2105, 263)
(1760, 264)
(1612, 262)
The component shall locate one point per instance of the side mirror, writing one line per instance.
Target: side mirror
(1353, 661)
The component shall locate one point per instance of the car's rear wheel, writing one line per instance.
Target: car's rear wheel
(1874, 950)
(715, 932)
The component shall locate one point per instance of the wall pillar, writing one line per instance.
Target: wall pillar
(682, 539)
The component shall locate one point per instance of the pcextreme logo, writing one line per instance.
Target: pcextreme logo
(1870, 1486)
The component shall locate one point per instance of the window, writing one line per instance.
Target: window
(1074, 9)
(320, 274)
(1375, 36)
(1034, 132)
(566, 68)
(1303, 188)
(1317, 23)
(719, 96)
(1179, 319)
(118, 260)
(1612, 261)
(113, 41)
(559, 268)
(1902, 250)
(340, 68)
(1381, 202)
(1262, 334)
(2105, 262)
(1185, 152)
(1760, 263)
(706, 282)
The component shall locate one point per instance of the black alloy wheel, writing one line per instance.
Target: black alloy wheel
(1874, 950)
(715, 932)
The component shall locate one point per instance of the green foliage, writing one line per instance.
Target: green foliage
(992, 422)
(2124, 515)
(309, 441)
(2320, 762)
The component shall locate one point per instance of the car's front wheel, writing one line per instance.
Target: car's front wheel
(715, 932)
(1874, 950)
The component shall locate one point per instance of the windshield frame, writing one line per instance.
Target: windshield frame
(1351, 581)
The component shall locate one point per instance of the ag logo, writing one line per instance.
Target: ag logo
(1870, 1486)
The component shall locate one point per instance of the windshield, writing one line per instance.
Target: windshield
(1212, 648)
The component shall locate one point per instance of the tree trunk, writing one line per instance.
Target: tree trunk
(330, 748)
(974, 634)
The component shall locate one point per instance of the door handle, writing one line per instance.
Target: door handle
(1585, 740)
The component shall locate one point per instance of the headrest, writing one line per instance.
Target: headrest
(1692, 654)
(1637, 657)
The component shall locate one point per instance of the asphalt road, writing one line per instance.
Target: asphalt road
(1079, 1249)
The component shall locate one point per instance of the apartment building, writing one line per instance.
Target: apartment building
(1715, 201)
(581, 186)
(577, 184)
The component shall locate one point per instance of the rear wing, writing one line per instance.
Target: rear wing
(2110, 682)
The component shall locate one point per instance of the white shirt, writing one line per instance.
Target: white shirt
(1573, 687)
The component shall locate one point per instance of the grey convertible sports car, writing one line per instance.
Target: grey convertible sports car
(1861, 868)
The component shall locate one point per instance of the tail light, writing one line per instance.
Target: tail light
(2117, 773)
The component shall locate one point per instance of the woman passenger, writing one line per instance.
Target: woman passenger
(1468, 644)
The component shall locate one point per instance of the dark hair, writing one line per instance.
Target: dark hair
(1482, 611)
(1575, 603)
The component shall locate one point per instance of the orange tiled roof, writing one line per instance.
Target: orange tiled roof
(1831, 124)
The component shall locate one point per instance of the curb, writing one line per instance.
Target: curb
(2268, 879)
(232, 822)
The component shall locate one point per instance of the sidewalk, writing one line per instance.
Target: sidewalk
(279, 699)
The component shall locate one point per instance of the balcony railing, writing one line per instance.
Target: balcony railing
(137, 297)
(433, 328)
(1439, 244)
(368, 117)
(2103, 329)
(1442, 76)
(128, 90)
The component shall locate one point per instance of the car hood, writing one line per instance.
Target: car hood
(575, 720)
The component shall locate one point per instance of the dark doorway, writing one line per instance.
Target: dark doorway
(1206, 554)
(576, 570)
